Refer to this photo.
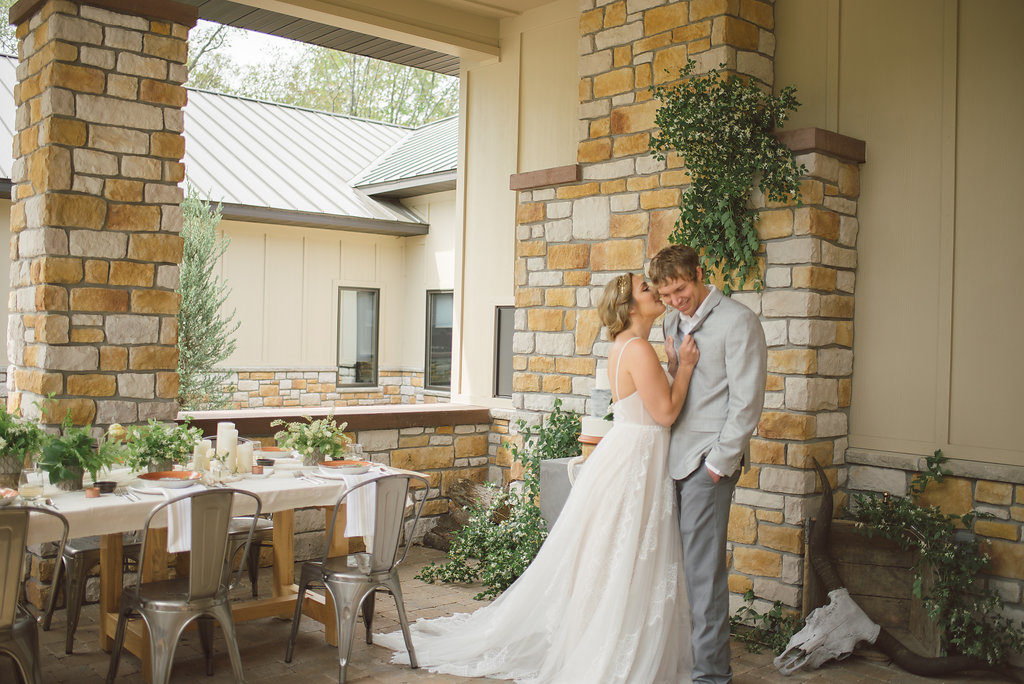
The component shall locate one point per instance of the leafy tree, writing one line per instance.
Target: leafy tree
(205, 332)
(8, 41)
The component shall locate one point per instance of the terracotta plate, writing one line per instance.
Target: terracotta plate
(171, 479)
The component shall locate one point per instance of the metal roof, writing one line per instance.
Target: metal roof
(306, 31)
(284, 164)
(429, 154)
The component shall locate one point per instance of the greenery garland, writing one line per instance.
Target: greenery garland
(968, 613)
(722, 126)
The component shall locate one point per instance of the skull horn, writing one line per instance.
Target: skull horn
(821, 561)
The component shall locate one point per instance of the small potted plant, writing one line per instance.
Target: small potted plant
(158, 446)
(20, 441)
(316, 440)
(69, 455)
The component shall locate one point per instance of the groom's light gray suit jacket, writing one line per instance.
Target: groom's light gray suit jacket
(726, 394)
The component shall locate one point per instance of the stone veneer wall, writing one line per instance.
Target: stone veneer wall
(319, 387)
(574, 237)
(95, 220)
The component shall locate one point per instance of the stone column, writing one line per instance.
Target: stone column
(96, 214)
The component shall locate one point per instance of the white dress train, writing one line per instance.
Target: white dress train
(605, 598)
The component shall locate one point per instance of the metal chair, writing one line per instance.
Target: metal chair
(352, 579)
(80, 556)
(19, 638)
(169, 606)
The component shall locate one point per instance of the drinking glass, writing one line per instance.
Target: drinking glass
(30, 484)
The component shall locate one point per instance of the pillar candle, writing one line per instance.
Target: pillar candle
(243, 462)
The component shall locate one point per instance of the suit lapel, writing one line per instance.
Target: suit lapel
(714, 297)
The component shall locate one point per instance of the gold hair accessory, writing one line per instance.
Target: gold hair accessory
(625, 287)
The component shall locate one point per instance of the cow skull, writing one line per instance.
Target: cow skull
(831, 631)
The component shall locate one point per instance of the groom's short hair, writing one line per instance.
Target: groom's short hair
(675, 262)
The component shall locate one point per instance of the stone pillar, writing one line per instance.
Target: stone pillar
(96, 214)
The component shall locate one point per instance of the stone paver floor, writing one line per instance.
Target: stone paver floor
(262, 645)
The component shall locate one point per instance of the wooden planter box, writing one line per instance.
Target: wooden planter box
(880, 578)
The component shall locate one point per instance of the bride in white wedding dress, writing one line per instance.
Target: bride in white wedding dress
(604, 600)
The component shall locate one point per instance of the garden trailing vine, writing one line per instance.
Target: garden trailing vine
(503, 536)
(722, 126)
(968, 613)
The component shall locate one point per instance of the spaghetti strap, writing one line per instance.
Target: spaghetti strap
(618, 365)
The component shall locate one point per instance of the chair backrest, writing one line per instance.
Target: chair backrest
(13, 533)
(391, 492)
(211, 520)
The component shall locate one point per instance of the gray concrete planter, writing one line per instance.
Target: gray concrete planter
(554, 488)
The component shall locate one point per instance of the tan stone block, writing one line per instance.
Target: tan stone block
(99, 299)
(1007, 559)
(563, 257)
(814, 278)
(668, 62)
(591, 21)
(576, 278)
(577, 191)
(38, 382)
(734, 32)
(633, 118)
(61, 131)
(612, 187)
(174, 172)
(530, 212)
(557, 384)
(779, 425)
(132, 273)
(529, 296)
(542, 364)
(52, 329)
(113, 358)
(414, 441)
(753, 561)
(775, 224)
(261, 376)
(953, 495)
(1017, 513)
(628, 145)
(628, 225)
(837, 306)
(615, 14)
(525, 382)
(528, 248)
(576, 365)
(675, 177)
(770, 516)
(425, 458)
(83, 411)
(162, 93)
(600, 127)
(613, 82)
(153, 357)
(87, 335)
(588, 325)
(780, 537)
(636, 183)
(849, 180)
(662, 224)
(749, 478)
(92, 385)
(61, 270)
(740, 584)
(120, 190)
(802, 361)
(805, 455)
(590, 151)
(760, 13)
(701, 9)
(652, 43)
(665, 18)
(845, 392)
(742, 525)
(155, 301)
(268, 390)
(72, 77)
(47, 169)
(617, 255)
(642, 76)
(133, 217)
(560, 296)
(999, 493)
(763, 451)
(997, 529)
(657, 199)
(844, 333)
(51, 298)
(545, 319)
(814, 221)
(158, 248)
(171, 49)
(167, 145)
(96, 271)
(774, 383)
(586, 90)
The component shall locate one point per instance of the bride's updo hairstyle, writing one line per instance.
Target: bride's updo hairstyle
(615, 302)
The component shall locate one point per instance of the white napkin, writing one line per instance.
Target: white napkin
(361, 505)
(179, 519)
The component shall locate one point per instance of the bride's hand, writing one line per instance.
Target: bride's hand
(688, 353)
(673, 357)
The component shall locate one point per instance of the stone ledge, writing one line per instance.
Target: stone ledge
(545, 177)
(821, 140)
(164, 10)
(958, 467)
(256, 422)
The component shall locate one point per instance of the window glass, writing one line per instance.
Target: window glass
(357, 336)
(504, 324)
(439, 340)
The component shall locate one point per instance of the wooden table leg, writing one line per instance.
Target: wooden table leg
(111, 582)
(284, 552)
(154, 565)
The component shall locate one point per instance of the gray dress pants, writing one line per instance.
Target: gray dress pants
(703, 524)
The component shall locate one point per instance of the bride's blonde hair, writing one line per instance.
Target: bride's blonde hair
(615, 303)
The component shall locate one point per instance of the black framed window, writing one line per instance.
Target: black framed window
(504, 326)
(438, 365)
(358, 324)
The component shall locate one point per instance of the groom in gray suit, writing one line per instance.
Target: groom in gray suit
(710, 438)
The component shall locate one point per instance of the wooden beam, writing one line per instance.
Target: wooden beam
(161, 10)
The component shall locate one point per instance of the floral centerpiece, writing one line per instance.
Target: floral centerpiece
(158, 446)
(316, 440)
(68, 455)
(20, 440)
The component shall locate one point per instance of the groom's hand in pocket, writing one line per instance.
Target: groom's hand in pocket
(715, 477)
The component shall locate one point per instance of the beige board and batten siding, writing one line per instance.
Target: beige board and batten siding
(284, 287)
(520, 114)
(931, 87)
